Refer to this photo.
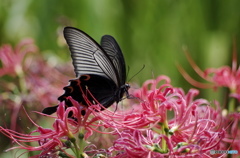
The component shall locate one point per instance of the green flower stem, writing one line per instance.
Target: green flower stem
(22, 82)
(231, 105)
(75, 149)
(165, 132)
(78, 147)
(81, 143)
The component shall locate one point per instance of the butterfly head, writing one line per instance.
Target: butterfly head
(124, 90)
(126, 87)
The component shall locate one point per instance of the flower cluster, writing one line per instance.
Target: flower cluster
(161, 121)
(168, 123)
(53, 142)
(228, 77)
(224, 76)
(26, 79)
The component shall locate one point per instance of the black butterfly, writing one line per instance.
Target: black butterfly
(99, 69)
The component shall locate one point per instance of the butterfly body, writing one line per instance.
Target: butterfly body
(100, 70)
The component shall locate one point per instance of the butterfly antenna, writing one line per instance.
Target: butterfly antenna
(137, 73)
(128, 69)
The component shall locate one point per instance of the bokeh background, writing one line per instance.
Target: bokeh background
(151, 33)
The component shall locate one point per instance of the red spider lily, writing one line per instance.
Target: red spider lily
(227, 76)
(43, 81)
(62, 136)
(12, 58)
(224, 76)
(27, 79)
(232, 136)
(163, 122)
(195, 128)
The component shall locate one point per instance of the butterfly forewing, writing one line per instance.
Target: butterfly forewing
(113, 50)
(88, 57)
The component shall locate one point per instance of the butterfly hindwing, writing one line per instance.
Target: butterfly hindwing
(111, 47)
(101, 89)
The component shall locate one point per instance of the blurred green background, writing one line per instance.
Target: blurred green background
(150, 33)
